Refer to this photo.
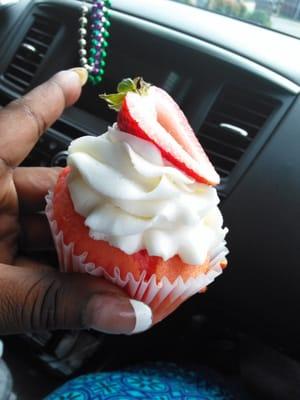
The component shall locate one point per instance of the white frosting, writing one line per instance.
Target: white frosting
(134, 199)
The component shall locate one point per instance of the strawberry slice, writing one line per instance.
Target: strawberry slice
(151, 114)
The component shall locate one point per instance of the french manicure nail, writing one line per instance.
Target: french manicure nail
(1, 348)
(143, 316)
(82, 73)
(113, 314)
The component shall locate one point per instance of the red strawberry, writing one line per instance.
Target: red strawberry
(151, 114)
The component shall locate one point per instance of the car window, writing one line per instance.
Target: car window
(279, 15)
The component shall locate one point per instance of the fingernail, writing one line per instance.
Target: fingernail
(143, 316)
(82, 73)
(117, 315)
(1, 348)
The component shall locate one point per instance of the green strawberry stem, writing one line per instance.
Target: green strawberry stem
(136, 85)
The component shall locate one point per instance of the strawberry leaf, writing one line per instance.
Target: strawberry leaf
(136, 85)
(127, 85)
(142, 87)
(114, 100)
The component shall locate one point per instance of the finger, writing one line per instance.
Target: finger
(35, 233)
(39, 299)
(26, 262)
(32, 185)
(23, 121)
(9, 233)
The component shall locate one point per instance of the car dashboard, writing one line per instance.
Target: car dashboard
(239, 87)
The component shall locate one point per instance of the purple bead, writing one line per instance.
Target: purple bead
(97, 15)
(96, 24)
(98, 46)
(97, 7)
(96, 71)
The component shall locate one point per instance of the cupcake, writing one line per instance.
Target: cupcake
(137, 204)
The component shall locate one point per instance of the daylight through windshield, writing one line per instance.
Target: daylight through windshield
(280, 15)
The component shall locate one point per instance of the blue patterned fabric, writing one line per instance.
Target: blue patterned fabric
(156, 382)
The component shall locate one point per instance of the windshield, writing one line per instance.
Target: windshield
(280, 15)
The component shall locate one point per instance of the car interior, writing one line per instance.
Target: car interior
(238, 84)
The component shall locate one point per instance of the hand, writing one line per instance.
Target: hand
(34, 296)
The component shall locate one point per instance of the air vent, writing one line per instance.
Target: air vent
(31, 52)
(4, 99)
(69, 130)
(233, 122)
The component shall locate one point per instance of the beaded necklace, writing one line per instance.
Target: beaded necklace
(93, 60)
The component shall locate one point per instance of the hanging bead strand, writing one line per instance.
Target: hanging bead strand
(83, 21)
(94, 60)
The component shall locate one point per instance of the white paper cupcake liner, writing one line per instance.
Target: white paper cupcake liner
(158, 295)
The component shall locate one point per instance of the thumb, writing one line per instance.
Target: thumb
(40, 298)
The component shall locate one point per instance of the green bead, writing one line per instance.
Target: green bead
(93, 51)
(91, 60)
(106, 34)
(103, 53)
(96, 32)
(103, 63)
(94, 42)
(101, 71)
(91, 79)
(108, 3)
(105, 43)
(107, 23)
(98, 79)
